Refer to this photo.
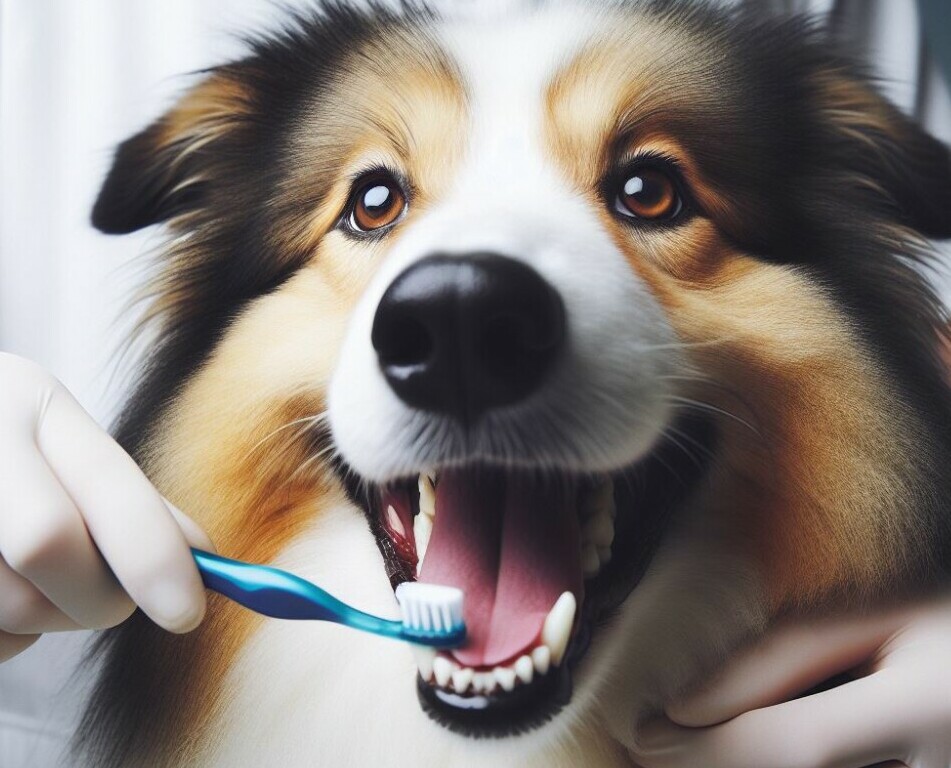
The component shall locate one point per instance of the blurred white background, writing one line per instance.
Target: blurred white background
(78, 77)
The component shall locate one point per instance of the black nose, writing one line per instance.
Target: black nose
(462, 334)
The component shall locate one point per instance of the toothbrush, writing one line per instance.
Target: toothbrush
(432, 614)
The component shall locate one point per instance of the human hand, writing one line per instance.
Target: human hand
(898, 712)
(84, 536)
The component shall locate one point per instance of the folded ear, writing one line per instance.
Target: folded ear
(888, 154)
(163, 171)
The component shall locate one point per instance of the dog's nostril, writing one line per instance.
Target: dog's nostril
(463, 334)
(404, 342)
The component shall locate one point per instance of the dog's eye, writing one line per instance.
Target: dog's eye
(648, 193)
(377, 203)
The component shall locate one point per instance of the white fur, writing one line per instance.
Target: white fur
(607, 400)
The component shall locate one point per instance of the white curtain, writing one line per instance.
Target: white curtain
(76, 78)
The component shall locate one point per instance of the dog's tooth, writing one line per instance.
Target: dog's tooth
(427, 496)
(541, 658)
(590, 562)
(443, 669)
(462, 678)
(505, 676)
(477, 685)
(425, 657)
(485, 682)
(394, 520)
(524, 669)
(599, 530)
(422, 530)
(557, 627)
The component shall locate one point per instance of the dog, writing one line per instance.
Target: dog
(609, 314)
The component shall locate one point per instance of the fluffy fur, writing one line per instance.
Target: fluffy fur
(784, 319)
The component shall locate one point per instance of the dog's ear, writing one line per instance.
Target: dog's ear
(886, 153)
(162, 171)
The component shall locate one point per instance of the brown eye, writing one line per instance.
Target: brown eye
(649, 193)
(377, 204)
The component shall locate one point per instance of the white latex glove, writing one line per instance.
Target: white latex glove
(897, 713)
(84, 537)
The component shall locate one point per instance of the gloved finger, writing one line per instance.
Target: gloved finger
(24, 610)
(194, 534)
(44, 539)
(126, 517)
(785, 663)
(11, 645)
(852, 726)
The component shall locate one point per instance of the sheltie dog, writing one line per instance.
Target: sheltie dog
(609, 314)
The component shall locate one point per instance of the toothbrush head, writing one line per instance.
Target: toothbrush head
(432, 614)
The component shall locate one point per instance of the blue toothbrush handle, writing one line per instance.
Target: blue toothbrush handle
(263, 589)
(282, 595)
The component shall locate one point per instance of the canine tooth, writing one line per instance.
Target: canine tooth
(524, 669)
(599, 530)
(422, 530)
(394, 520)
(557, 627)
(505, 676)
(590, 562)
(425, 657)
(427, 496)
(541, 658)
(462, 678)
(443, 669)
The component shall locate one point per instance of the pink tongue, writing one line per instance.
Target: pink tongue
(511, 543)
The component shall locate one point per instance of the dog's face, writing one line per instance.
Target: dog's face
(561, 299)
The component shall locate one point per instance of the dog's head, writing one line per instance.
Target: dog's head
(546, 292)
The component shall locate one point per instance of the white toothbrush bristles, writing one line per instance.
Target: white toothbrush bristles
(430, 607)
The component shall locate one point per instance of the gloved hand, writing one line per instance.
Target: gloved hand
(898, 712)
(84, 537)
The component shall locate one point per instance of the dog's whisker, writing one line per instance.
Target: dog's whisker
(690, 439)
(688, 402)
(303, 422)
(309, 463)
(668, 435)
(685, 344)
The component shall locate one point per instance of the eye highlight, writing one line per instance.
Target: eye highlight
(650, 192)
(377, 202)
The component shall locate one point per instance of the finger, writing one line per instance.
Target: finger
(785, 663)
(194, 533)
(11, 645)
(125, 515)
(24, 610)
(852, 726)
(43, 538)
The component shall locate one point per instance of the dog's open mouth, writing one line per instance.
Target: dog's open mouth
(518, 546)
(541, 557)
